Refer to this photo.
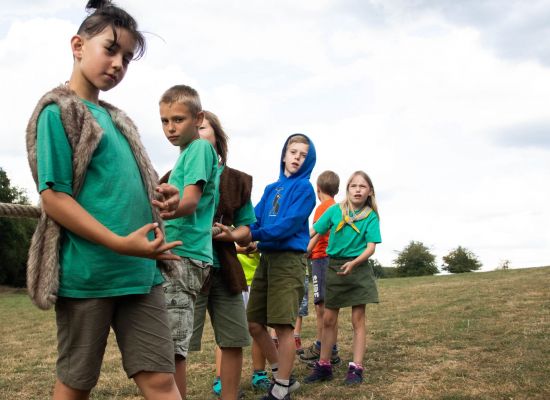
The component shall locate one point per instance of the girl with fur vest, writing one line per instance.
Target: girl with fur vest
(93, 253)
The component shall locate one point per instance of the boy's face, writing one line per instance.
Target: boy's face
(295, 155)
(178, 123)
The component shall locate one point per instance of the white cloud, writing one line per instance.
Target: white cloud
(415, 99)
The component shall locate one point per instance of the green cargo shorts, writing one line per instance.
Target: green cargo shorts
(277, 288)
(227, 315)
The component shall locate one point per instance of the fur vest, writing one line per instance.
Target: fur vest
(84, 134)
(235, 190)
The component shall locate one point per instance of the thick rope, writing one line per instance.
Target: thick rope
(19, 211)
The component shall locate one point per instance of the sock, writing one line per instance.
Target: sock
(296, 335)
(324, 362)
(356, 366)
(280, 389)
(318, 344)
(275, 369)
(335, 347)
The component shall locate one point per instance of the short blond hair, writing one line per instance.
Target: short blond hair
(184, 95)
(298, 138)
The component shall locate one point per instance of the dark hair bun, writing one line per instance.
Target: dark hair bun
(97, 4)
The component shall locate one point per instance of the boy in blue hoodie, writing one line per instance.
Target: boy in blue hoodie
(278, 285)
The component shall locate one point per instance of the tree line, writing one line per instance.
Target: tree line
(15, 235)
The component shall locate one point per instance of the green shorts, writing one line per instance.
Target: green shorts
(227, 315)
(142, 333)
(180, 294)
(357, 288)
(277, 288)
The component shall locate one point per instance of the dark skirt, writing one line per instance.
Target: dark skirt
(359, 287)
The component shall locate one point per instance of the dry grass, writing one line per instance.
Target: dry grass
(472, 336)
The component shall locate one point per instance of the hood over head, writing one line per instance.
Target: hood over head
(309, 163)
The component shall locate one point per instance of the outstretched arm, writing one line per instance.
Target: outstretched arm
(66, 211)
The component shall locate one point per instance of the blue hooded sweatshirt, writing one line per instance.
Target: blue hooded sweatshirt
(283, 211)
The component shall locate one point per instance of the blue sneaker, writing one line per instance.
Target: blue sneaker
(260, 381)
(217, 386)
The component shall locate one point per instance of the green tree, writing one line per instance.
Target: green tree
(15, 236)
(376, 267)
(460, 260)
(415, 260)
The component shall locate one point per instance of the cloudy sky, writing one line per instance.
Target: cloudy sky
(444, 103)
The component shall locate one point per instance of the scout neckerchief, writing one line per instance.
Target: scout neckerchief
(357, 216)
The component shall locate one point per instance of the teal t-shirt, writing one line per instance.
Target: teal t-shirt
(113, 193)
(243, 216)
(197, 162)
(347, 242)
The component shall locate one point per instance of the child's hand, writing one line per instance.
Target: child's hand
(346, 268)
(138, 244)
(170, 198)
(225, 233)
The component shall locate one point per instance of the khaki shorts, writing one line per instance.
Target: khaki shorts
(83, 326)
(181, 293)
(227, 315)
(277, 288)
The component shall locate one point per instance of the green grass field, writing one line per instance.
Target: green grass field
(457, 337)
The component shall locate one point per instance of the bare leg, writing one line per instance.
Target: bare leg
(358, 320)
(231, 366)
(218, 361)
(319, 310)
(330, 332)
(181, 376)
(258, 359)
(157, 386)
(287, 350)
(263, 339)
(64, 392)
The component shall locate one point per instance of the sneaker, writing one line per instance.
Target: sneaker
(293, 384)
(311, 353)
(354, 376)
(217, 386)
(260, 381)
(298, 342)
(269, 396)
(320, 373)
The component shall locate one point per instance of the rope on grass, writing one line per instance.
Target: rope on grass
(19, 211)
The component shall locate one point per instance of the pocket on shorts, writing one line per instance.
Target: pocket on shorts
(176, 304)
(197, 273)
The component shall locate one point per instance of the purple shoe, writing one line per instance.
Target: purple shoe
(354, 376)
(320, 373)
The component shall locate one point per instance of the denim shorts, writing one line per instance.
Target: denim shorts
(180, 294)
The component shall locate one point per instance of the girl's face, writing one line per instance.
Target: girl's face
(100, 63)
(207, 132)
(358, 191)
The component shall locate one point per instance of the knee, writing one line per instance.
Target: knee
(255, 329)
(329, 321)
(157, 382)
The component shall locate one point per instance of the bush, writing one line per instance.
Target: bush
(15, 237)
(460, 260)
(415, 260)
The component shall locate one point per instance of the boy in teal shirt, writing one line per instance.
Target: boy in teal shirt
(195, 175)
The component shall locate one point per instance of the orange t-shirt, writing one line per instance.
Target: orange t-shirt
(320, 249)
